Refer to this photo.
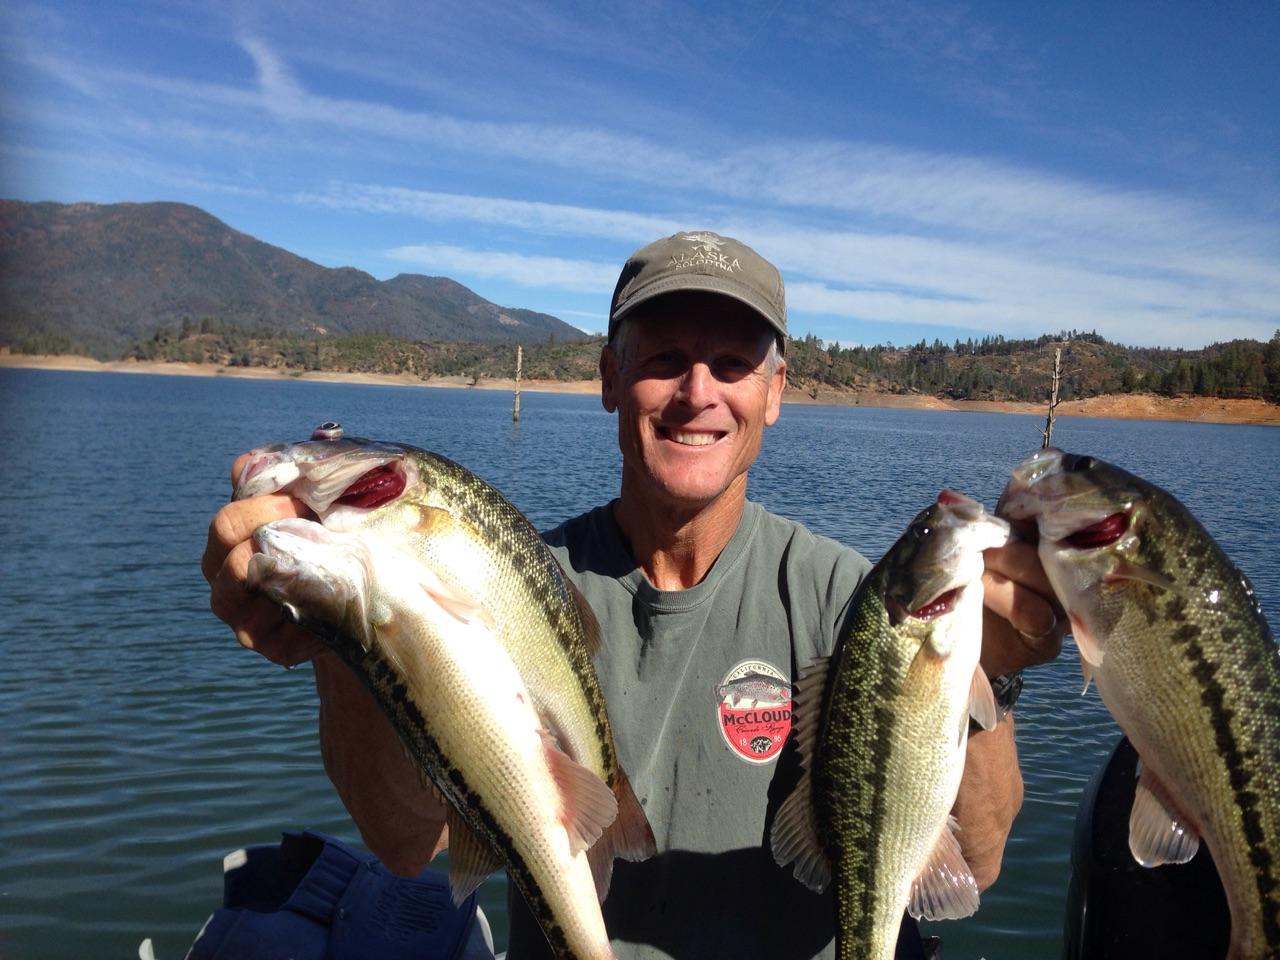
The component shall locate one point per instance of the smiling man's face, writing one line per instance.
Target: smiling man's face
(693, 392)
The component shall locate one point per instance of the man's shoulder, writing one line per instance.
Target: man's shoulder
(808, 555)
(575, 529)
(793, 535)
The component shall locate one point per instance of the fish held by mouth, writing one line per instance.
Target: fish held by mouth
(882, 726)
(486, 563)
(1170, 631)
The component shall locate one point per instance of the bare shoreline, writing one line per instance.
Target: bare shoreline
(1117, 406)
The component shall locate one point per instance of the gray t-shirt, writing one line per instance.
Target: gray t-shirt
(698, 686)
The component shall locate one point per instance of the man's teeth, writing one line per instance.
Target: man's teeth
(693, 439)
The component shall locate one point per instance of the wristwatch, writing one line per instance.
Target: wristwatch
(1006, 689)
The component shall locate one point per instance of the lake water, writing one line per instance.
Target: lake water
(139, 743)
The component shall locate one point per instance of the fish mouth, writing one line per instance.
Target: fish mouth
(941, 605)
(1061, 496)
(346, 471)
(1018, 501)
(951, 537)
(312, 572)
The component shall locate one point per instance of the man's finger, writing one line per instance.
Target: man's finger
(237, 466)
(257, 621)
(1030, 613)
(1020, 562)
(234, 524)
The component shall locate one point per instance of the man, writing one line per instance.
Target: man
(696, 588)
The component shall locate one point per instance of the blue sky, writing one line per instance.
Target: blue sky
(916, 169)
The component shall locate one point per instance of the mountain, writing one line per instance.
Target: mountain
(101, 277)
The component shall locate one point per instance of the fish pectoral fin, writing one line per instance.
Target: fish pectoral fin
(806, 708)
(1090, 647)
(629, 837)
(470, 858)
(794, 836)
(982, 701)
(588, 805)
(1158, 833)
(1128, 570)
(945, 888)
(456, 601)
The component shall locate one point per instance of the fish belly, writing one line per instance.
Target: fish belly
(493, 769)
(1188, 721)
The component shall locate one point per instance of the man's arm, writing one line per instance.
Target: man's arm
(1022, 626)
(400, 819)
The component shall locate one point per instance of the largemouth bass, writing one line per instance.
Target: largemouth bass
(465, 714)
(1170, 631)
(488, 564)
(882, 727)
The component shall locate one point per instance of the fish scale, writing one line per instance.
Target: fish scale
(508, 532)
(1172, 634)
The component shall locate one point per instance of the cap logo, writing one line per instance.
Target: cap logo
(705, 253)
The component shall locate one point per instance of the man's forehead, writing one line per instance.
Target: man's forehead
(700, 317)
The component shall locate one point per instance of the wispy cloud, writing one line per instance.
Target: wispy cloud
(531, 271)
(871, 231)
(535, 216)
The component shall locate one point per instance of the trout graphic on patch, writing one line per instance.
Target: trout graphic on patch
(759, 688)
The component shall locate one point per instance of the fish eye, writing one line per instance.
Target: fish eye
(329, 430)
(1077, 463)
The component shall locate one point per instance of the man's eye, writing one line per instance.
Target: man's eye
(665, 360)
(734, 367)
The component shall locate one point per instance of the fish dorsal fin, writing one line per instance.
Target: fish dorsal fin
(455, 600)
(945, 888)
(629, 836)
(470, 859)
(1157, 832)
(982, 701)
(587, 804)
(590, 625)
(1090, 647)
(1128, 570)
(795, 837)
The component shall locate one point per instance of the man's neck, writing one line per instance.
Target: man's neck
(675, 547)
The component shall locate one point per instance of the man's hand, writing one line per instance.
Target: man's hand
(1023, 624)
(400, 819)
(258, 623)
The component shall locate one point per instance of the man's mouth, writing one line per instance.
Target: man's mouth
(690, 438)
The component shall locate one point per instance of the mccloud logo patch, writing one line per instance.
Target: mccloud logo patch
(755, 710)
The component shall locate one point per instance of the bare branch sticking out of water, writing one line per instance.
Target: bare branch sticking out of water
(1053, 398)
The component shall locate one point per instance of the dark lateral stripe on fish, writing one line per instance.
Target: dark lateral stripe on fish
(1240, 770)
(390, 689)
(875, 677)
(497, 518)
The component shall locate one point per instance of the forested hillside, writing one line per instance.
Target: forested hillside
(989, 369)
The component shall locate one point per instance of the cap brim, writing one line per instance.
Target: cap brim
(699, 283)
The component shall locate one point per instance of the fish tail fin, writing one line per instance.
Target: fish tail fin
(629, 836)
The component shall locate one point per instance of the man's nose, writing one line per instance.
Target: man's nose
(697, 385)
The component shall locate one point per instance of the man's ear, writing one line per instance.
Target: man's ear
(777, 384)
(609, 379)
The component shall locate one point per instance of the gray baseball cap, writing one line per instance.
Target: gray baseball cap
(705, 262)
